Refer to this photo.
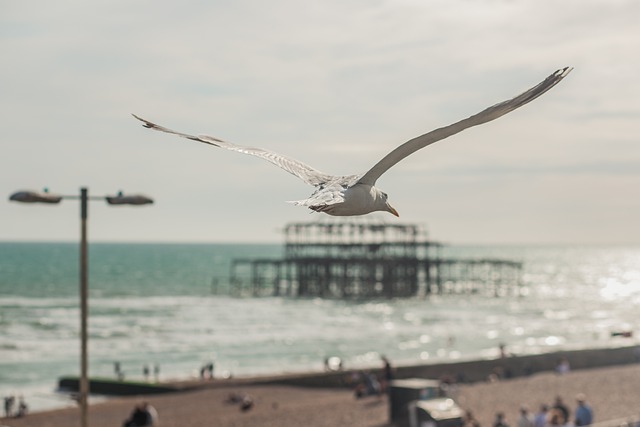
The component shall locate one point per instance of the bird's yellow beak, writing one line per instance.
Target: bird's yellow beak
(392, 210)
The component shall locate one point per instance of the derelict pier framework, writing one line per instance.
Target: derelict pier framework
(353, 260)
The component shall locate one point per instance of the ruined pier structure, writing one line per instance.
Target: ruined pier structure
(368, 260)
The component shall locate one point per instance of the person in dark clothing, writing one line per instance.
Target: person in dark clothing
(140, 417)
(388, 374)
(500, 420)
(560, 406)
(584, 413)
(469, 420)
(8, 405)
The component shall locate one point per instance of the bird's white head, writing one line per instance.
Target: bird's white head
(383, 203)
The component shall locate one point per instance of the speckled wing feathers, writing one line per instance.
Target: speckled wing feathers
(295, 167)
(484, 116)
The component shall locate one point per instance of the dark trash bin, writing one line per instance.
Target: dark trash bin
(403, 392)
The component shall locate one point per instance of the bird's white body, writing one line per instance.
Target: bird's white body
(358, 199)
(357, 194)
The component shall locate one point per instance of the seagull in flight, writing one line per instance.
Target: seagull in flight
(351, 195)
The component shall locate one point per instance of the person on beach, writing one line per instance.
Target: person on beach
(526, 418)
(246, 403)
(22, 408)
(143, 415)
(387, 376)
(584, 413)
(562, 408)
(540, 420)
(503, 351)
(556, 418)
(244, 400)
(469, 420)
(367, 385)
(118, 371)
(8, 405)
(500, 421)
(206, 371)
(563, 366)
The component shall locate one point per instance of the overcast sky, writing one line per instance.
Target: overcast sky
(336, 84)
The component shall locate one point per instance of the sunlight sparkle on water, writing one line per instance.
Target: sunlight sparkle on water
(552, 340)
(615, 289)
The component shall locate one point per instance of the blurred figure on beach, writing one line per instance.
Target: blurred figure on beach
(145, 372)
(584, 413)
(469, 420)
(244, 400)
(143, 415)
(526, 418)
(563, 366)
(118, 371)
(560, 407)
(206, 371)
(387, 375)
(9, 401)
(22, 408)
(556, 418)
(500, 421)
(8, 405)
(367, 385)
(503, 351)
(540, 419)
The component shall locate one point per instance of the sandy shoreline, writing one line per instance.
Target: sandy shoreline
(613, 392)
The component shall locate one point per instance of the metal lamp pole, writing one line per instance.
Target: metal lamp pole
(120, 199)
(84, 310)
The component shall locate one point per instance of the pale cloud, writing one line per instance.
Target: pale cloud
(335, 84)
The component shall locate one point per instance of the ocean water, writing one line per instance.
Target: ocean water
(154, 304)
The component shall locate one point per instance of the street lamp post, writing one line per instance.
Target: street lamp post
(119, 199)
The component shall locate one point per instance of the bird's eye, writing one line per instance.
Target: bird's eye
(385, 195)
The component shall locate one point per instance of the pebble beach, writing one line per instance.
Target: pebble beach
(612, 392)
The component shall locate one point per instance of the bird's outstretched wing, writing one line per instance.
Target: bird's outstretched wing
(295, 167)
(484, 116)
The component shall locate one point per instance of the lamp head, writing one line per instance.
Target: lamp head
(35, 197)
(133, 199)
